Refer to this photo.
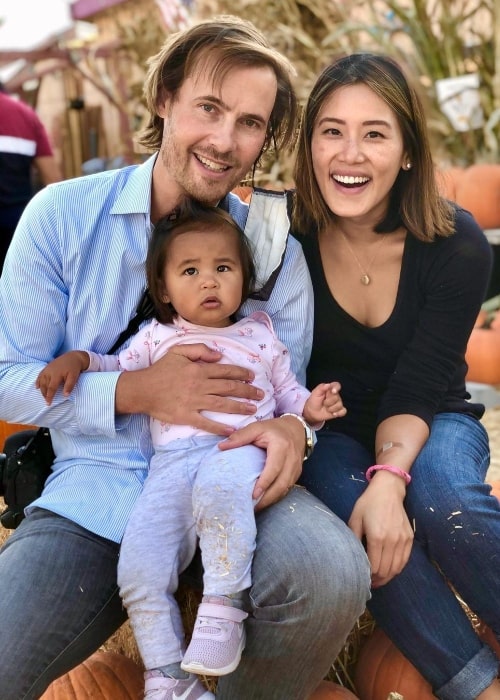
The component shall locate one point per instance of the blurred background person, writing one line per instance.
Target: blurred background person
(24, 143)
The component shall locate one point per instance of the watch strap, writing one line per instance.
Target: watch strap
(310, 435)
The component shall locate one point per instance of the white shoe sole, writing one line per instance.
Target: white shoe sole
(201, 669)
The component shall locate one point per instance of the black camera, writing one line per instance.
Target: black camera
(24, 467)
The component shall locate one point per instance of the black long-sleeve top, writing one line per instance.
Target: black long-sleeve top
(414, 362)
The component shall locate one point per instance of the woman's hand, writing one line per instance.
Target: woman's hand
(284, 441)
(184, 382)
(380, 519)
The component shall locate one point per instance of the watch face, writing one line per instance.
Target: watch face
(309, 434)
(309, 443)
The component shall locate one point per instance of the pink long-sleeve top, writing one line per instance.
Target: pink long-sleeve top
(250, 342)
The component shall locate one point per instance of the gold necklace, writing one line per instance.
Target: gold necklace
(365, 278)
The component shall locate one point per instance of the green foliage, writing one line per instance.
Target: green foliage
(435, 39)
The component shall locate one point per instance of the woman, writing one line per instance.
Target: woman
(399, 276)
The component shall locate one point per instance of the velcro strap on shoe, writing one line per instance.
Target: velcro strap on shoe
(224, 612)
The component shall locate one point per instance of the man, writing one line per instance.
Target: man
(72, 278)
(24, 143)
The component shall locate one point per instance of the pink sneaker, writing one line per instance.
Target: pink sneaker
(217, 642)
(160, 687)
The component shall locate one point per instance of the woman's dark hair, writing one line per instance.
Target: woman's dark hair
(191, 216)
(415, 202)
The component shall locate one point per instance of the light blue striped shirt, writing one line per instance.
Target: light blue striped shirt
(72, 278)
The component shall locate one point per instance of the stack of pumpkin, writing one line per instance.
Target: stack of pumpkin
(477, 189)
(483, 348)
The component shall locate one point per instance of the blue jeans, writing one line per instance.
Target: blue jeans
(59, 601)
(457, 528)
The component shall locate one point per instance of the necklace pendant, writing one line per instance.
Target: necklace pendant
(365, 279)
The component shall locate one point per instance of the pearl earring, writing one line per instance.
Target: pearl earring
(408, 166)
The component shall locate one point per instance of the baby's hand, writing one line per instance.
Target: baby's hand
(64, 370)
(324, 403)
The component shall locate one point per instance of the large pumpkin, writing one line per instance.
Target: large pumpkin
(478, 190)
(382, 669)
(327, 690)
(105, 675)
(483, 356)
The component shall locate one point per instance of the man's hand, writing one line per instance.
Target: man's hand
(283, 439)
(185, 382)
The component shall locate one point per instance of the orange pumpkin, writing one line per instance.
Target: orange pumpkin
(244, 192)
(487, 636)
(327, 690)
(448, 181)
(105, 675)
(495, 322)
(7, 429)
(495, 488)
(381, 669)
(483, 356)
(478, 190)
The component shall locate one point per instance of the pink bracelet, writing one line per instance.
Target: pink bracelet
(388, 468)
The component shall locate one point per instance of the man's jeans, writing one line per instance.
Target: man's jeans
(59, 601)
(457, 526)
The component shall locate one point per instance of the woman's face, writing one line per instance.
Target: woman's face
(357, 152)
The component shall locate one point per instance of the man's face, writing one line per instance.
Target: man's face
(213, 134)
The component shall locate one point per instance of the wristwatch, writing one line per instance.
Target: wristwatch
(310, 434)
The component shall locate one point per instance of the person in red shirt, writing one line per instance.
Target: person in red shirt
(24, 143)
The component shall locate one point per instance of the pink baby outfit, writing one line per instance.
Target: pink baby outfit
(194, 492)
(250, 342)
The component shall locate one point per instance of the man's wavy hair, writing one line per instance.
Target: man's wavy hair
(191, 216)
(415, 202)
(230, 42)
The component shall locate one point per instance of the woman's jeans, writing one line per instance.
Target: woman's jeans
(59, 601)
(457, 539)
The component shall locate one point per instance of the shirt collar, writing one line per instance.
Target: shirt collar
(135, 196)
